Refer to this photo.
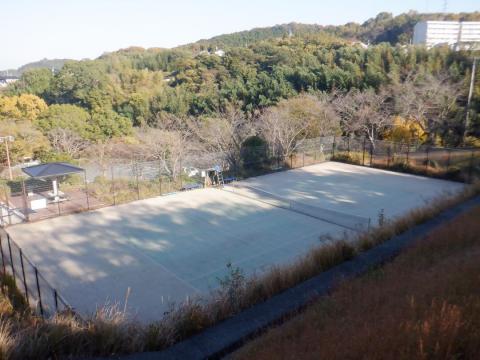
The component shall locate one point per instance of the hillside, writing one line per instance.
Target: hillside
(383, 28)
(424, 305)
(55, 64)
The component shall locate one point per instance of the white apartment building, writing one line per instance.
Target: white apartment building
(456, 34)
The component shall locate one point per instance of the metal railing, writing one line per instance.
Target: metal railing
(42, 298)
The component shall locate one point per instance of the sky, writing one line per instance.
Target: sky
(31, 30)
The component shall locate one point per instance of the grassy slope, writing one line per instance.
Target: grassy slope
(426, 304)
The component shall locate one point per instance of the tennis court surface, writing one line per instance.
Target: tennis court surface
(168, 248)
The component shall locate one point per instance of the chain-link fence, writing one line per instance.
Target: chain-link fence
(42, 298)
(459, 164)
(121, 181)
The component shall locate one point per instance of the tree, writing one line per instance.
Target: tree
(107, 124)
(364, 112)
(65, 116)
(285, 126)
(168, 147)
(428, 100)
(83, 83)
(29, 142)
(224, 134)
(33, 81)
(23, 107)
(405, 131)
(66, 141)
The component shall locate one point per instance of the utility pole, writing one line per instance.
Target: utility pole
(6, 140)
(469, 99)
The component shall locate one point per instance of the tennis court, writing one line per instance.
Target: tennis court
(172, 247)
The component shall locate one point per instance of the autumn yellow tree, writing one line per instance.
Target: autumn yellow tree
(406, 130)
(23, 107)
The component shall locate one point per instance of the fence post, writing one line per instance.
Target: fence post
(55, 298)
(3, 256)
(58, 206)
(291, 161)
(371, 154)
(38, 290)
(160, 176)
(303, 159)
(363, 154)
(113, 185)
(408, 152)
(7, 204)
(180, 174)
(389, 151)
(24, 278)
(348, 146)
(11, 259)
(25, 201)
(470, 168)
(86, 188)
(136, 179)
(449, 151)
(333, 148)
(426, 161)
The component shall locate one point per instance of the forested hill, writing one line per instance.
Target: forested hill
(383, 28)
(55, 64)
(102, 100)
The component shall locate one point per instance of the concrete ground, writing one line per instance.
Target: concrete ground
(355, 190)
(172, 247)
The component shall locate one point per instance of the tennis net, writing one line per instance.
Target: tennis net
(352, 222)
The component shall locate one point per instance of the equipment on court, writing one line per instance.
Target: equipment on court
(351, 222)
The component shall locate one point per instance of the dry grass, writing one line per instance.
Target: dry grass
(424, 305)
(23, 336)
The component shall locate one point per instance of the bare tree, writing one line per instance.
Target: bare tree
(67, 141)
(365, 112)
(428, 100)
(286, 125)
(103, 152)
(224, 134)
(169, 147)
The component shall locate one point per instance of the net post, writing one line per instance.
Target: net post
(24, 278)
(11, 259)
(38, 291)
